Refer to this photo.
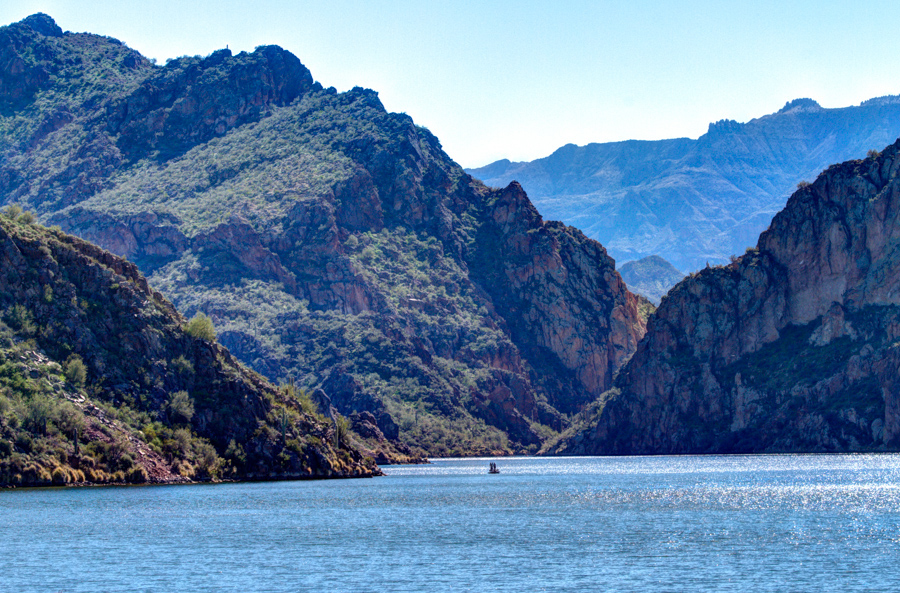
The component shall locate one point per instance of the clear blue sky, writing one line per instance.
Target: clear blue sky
(517, 79)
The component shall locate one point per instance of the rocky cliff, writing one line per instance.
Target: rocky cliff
(332, 242)
(699, 201)
(791, 347)
(101, 380)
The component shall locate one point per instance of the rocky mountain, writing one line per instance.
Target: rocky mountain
(331, 242)
(700, 201)
(651, 276)
(794, 346)
(101, 380)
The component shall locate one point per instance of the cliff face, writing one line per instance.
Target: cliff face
(99, 382)
(792, 347)
(559, 293)
(331, 241)
(699, 201)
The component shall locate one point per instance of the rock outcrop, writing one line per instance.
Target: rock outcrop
(791, 347)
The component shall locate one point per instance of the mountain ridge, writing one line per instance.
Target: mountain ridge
(697, 201)
(330, 241)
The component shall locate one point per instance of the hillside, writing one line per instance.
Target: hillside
(792, 347)
(651, 276)
(331, 242)
(101, 380)
(700, 201)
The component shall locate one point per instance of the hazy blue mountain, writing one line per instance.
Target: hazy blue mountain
(651, 276)
(697, 201)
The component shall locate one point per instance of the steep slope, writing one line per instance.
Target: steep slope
(792, 347)
(695, 202)
(99, 382)
(331, 241)
(651, 276)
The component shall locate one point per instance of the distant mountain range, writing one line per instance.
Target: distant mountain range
(696, 201)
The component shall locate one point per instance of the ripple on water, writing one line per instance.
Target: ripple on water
(725, 523)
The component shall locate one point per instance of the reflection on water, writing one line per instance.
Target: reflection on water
(724, 523)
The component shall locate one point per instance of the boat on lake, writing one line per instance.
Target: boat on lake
(494, 469)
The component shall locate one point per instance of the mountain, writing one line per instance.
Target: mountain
(700, 201)
(101, 380)
(331, 242)
(794, 346)
(651, 276)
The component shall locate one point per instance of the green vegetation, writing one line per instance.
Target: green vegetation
(331, 241)
(201, 327)
(75, 371)
(181, 407)
(99, 384)
(53, 431)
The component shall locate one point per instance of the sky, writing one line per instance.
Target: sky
(518, 79)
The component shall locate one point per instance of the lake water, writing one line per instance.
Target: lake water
(716, 523)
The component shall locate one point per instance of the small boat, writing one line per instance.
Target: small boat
(494, 469)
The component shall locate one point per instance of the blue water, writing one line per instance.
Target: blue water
(722, 523)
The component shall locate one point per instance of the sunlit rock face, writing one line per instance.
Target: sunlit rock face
(792, 347)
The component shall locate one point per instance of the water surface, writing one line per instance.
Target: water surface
(713, 523)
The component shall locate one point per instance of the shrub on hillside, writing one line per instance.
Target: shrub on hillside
(181, 406)
(75, 371)
(201, 326)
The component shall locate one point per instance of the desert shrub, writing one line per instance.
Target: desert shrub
(201, 327)
(208, 462)
(21, 319)
(180, 406)
(38, 412)
(60, 476)
(235, 454)
(13, 211)
(136, 475)
(307, 404)
(179, 445)
(24, 442)
(68, 419)
(183, 366)
(75, 371)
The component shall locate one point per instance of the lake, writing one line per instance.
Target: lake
(687, 523)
